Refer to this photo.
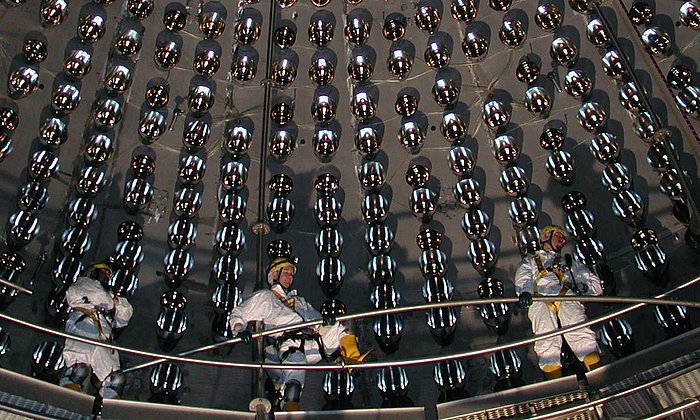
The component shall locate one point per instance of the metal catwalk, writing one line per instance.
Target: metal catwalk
(405, 151)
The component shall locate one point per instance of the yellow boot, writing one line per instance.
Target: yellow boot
(349, 351)
(591, 361)
(73, 387)
(551, 371)
(290, 406)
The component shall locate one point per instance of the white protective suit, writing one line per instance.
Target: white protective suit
(94, 315)
(266, 307)
(544, 317)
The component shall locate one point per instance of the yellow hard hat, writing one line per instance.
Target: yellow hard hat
(551, 229)
(98, 266)
(278, 264)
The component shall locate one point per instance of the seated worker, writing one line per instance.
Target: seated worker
(543, 274)
(280, 306)
(96, 311)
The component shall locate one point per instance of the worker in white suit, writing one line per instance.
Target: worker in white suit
(96, 312)
(280, 306)
(544, 274)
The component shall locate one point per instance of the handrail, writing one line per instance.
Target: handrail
(617, 395)
(160, 358)
(16, 287)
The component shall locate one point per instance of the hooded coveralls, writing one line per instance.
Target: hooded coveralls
(544, 280)
(94, 315)
(268, 307)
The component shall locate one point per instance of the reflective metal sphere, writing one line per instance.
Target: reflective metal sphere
(321, 71)
(91, 28)
(53, 12)
(679, 76)
(432, 262)
(453, 127)
(381, 269)
(117, 80)
(644, 126)
(175, 19)
(604, 148)
(323, 108)
(140, 9)
(128, 42)
(371, 176)
(505, 150)
(468, 193)
(206, 63)
(137, 194)
(177, 265)
(65, 99)
(235, 174)
(577, 83)
(244, 67)
(407, 105)
(200, 99)
(563, 51)
(630, 98)
(66, 270)
(613, 66)
(560, 165)
(512, 33)
(461, 161)
(167, 55)
(514, 181)
(285, 37)
(328, 211)
(356, 30)
(363, 105)
(616, 177)
(476, 224)
(483, 255)
(191, 170)
(523, 212)
(589, 251)
(360, 68)
(427, 19)
(42, 165)
(437, 289)
(436, 55)
(329, 242)
(186, 203)
(32, 196)
(47, 361)
(658, 157)
(690, 15)
(368, 142)
(237, 141)
(282, 145)
(628, 206)
(580, 224)
(596, 34)
(670, 184)
(227, 269)
(394, 28)
(688, 101)
(429, 239)
(53, 133)
(445, 92)
(9, 119)
(643, 238)
(475, 46)
(417, 176)
(537, 101)
(326, 185)
(641, 13)
(77, 64)
(592, 117)
(152, 126)
(158, 95)
(232, 208)
(142, 166)
(495, 115)
(500, 5)
(280, 212)
(22, 227)
(657, 41)
(325, 144)
(320, 32)
(22, 82)
(35, 50)
(379, 239)
(108, 113)
(527, 71)
(581, 6)
(90, 182)
(548, 17)
(423, 204)
(212, 25)
(330, 272)
(463, 10)
(229, 240)
(411, 136)
(81, 212)
(573, 201)
(375, 208)
(528, 240)
(98, 150)
(399, 63)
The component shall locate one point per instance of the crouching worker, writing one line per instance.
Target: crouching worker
(280, 306)
(96, 311)
(544, 274)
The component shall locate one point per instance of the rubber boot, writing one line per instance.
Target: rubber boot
(73, 387)
(291, 397)
(551, 371)
(349, 351)
(591, 361)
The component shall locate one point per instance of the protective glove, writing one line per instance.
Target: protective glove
(524, 300)
(245, 336)
(328, 319)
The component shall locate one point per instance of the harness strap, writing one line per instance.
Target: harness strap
(302, 336)
(93, 315)
(542, 271)
(288, 302)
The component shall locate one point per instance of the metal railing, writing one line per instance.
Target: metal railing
(161, 358)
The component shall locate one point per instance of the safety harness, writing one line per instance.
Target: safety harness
(542, 271)
(94, 316)
(303, 335)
